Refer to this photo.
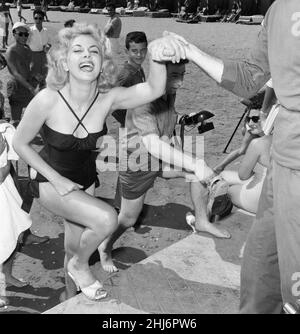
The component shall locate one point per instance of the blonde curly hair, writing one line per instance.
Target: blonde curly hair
(57, 76)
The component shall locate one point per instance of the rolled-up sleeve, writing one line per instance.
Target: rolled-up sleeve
(245, 78)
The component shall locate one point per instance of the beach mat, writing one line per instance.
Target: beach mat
(187, 21)
(96, 11)
(54, 8)
(252, 20)
(210, 18)
(162, 14)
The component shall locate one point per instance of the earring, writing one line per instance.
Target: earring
(64, 66)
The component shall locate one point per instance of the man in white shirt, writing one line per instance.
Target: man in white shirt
(113, 28)
(39, 43)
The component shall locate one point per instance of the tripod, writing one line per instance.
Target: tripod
(246, 111)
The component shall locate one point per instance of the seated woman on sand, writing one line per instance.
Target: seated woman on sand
(245, 185)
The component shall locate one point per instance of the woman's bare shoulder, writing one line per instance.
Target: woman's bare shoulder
(261, 142)
(107, 98)
(265, 142)
(262, 146)
(47, 93)
(46, 97)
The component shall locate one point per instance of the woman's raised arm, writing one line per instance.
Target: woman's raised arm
(166, 49)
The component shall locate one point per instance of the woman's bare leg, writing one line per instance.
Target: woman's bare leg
(97, 219)
(73, 234)
(231, 177)
(244, 194)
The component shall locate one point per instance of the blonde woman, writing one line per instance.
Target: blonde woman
(71, 113)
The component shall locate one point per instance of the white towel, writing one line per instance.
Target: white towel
(7, 130)
(268, 125)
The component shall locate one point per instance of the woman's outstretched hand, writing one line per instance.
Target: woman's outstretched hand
(65, 186)
(170, 47)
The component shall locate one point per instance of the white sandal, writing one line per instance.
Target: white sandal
(94, 291)
(191, 220)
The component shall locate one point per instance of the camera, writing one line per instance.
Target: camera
(200, 117)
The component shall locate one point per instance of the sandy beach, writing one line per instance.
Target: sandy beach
(163, 219)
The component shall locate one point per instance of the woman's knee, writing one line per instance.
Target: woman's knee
(106, 220)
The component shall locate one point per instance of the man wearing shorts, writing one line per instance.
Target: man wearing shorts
(151, 127)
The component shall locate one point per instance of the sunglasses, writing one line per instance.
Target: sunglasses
(39, 18)
(254, 119)
(21, 34)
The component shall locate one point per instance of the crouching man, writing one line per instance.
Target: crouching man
(150, 125)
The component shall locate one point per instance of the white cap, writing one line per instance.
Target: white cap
(19, 25)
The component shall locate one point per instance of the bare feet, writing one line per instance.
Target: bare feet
(206, 227)
(106, 261)
(211, 229)
(11, 280)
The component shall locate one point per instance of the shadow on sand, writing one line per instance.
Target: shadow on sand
(170, 216)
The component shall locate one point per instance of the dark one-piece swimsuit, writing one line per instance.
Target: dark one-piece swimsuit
(72, 157)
